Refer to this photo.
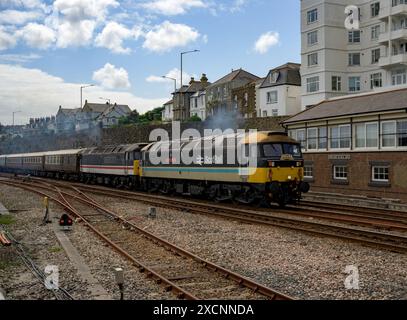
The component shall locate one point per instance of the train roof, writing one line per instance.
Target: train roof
(44, 153)
(269, 137)
(114, 149)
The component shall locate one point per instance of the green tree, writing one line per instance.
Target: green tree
(132, 118)
(194, 118)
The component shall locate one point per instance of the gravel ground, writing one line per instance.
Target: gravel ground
(295, 263)
(41, 242)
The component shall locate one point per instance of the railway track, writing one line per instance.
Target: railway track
(179, 271)
(360, 229)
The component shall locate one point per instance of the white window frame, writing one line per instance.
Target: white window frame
(338, 83)
(335, 177)
(313, 13)
(310, 37)
(381, 180)
(351, 59)
(375, 32)
(315, 81)
(365, 125)
(356, 82)
(314, 138)
(351, 37)
(313, 59)
(311, 167)
(378, 76)
(339, 138)
(395, 135)
(271, 95)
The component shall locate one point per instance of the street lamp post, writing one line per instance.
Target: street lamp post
(83, 87)
(180, 90)
(173, 79)
(182, 55)
(14, 112)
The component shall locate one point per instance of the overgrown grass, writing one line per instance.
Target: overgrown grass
(6, 219)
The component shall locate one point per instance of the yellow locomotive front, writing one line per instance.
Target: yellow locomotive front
(280, 167)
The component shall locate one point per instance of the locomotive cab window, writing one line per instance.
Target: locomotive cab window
(276, 150)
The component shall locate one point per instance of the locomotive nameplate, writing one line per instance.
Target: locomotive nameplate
(287, 157)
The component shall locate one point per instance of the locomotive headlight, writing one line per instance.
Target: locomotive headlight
(298, 163)
(290, 177)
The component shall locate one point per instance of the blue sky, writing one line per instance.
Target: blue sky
(48, 49)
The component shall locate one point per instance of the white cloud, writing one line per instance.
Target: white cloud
(77, 10)
(173, 7)
(111, 77)
(237, 5)
(266, 41)
(174, 73)
(30, 4)
(37, 35)
(167, 36)
(7, 41)
(114, 34)
(39, 94)
(75, 34)
(19, 58)
(76, 20)
(15, 17)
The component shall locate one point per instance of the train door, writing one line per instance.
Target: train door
(126, 163)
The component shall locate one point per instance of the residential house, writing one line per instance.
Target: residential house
(280, 92)
(245, 99)
(66, 119)
(219, 97)
(110, 117)
(198, 105)
(168, 113)
(337, 61)
(183, 95)
(90, 116)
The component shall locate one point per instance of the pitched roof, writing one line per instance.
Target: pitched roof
(287, 74)
(121, 109)
(70, 112)
(233, 75)
(384, 100)
(193, 87)
(169, 102)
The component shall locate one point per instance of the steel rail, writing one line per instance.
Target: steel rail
(239, 279)
(378, 239)
(372, 238)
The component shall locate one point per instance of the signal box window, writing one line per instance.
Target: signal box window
(380, 174)
(309, 172)
(340, 173)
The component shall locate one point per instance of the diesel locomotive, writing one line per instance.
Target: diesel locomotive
(276, 176)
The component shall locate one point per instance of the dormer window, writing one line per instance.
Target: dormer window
(274, 77)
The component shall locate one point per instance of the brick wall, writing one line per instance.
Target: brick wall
(360, 174)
